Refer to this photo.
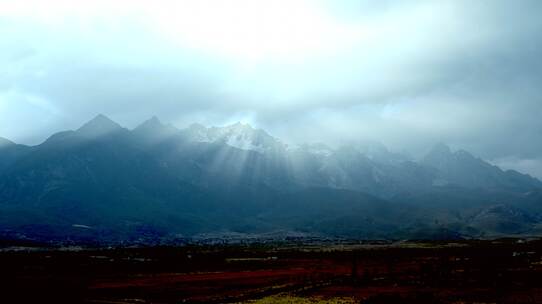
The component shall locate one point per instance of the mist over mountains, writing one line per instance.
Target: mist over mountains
(158, 183)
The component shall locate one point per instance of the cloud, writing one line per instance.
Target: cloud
(406, 73)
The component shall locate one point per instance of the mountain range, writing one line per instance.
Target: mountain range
(105, 183)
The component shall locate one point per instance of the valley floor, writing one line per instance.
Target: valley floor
(505, 271)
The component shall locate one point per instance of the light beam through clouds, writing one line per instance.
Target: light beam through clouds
(406, 73)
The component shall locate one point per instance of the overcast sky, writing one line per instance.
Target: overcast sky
(406, 73)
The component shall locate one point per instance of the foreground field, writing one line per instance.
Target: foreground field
(506, 271)
(289, 299)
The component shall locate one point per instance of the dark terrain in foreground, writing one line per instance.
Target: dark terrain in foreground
(499, 271)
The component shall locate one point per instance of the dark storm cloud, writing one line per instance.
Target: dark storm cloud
(408, 73)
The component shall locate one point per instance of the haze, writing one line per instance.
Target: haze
(405, 73)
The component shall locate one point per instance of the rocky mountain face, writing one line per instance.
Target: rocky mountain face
(463, 169)
(155, 182)
(5, 143)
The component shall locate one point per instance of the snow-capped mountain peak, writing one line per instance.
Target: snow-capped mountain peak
(238, 135)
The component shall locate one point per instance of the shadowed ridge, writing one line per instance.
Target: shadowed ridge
(439, 157)
(149, 124)
(4, 142)
(154, 130)
(440, 149)
(464, 169)
(99, 126)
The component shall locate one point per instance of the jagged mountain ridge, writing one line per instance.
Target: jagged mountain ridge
(462, 168)
(237, 135)
(5, 142)
(159, 181)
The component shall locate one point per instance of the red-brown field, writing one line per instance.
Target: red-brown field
(471, 272)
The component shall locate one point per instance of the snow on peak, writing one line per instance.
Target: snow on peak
(319, 149)
(238, 135)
